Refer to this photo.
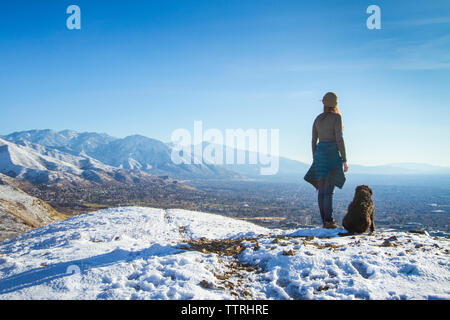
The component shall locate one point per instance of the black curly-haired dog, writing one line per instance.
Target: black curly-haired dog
(360, 212)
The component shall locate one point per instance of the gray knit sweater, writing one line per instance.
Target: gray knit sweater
(327, 127)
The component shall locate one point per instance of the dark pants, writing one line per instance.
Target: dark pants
(326, 189)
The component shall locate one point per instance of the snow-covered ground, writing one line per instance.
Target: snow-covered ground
(144, 253)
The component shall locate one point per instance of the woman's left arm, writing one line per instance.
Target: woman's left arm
(315, 137)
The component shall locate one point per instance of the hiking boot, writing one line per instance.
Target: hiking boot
(330, 224)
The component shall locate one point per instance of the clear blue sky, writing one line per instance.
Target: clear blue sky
(150, 67)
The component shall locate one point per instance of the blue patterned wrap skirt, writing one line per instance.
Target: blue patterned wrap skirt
(327, 164)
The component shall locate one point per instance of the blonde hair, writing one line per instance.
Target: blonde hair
(330, 102)
(334, 109)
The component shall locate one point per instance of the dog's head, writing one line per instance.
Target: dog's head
(362, 191)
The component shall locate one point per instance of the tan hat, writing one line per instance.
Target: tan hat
(330, 99)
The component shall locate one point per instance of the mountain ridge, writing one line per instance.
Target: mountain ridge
(135, 152)
(44, 165)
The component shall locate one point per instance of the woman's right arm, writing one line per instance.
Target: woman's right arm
(340, 138)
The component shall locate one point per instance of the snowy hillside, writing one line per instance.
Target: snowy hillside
(144, 253)
(20, 212)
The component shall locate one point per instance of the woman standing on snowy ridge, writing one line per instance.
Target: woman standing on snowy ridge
(329, 157)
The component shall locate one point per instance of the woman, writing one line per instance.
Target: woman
(329, 157)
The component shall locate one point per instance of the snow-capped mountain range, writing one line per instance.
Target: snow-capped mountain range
(48, 156)
(145, 253)
(40, 164)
